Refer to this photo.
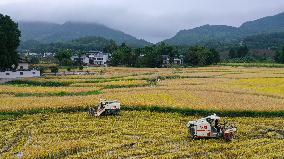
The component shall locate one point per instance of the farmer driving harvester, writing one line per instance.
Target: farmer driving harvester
(101, 105)
(105, 107)
(210, 127)
(217, 125)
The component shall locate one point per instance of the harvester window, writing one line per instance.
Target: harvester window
(217, 125)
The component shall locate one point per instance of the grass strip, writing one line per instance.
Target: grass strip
(190, 112)
(60, 94)
(183, 111)
(126, 86)
(38, 83)
(269, 65)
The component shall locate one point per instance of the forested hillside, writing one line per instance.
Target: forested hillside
(52, 33)
(267, 29)
(86, 43)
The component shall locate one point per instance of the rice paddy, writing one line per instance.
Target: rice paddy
(46, 117)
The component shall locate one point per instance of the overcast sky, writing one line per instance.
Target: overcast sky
(152, 20)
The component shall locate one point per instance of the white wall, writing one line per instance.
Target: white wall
(24, 65)
(17, 74)
(103, 61)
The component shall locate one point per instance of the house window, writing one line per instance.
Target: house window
(33, 73)
(7, 74)
(21, 67)
(99, 58)
(21, 73)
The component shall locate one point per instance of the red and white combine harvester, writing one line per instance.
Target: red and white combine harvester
(105, 108)
(210, 127)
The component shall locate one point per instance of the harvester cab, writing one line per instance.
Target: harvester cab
(105, 107)
(210, 127)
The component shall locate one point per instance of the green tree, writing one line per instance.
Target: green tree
(79, 62)
(64, 57)
(111, 47)
(34, 60)
(122, 56)
(152, 56)
(279, 56)
(201, 56)
(54, 69)
(191, 57)
(243, 51)
(9, 42)
(215, 56)
(239, 52)
(126, 54)
(232, 53)
(116, 58)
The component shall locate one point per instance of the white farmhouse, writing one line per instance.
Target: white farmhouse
(96, 58)
(48, 54)
(166, 60)
(22, 71)
(23, 65)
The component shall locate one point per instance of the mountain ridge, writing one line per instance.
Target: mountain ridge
(51, 32)
(47, 32)
(225, 33)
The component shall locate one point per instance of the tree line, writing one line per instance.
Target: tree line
(150, 56)
(154, 56)
(242, 53)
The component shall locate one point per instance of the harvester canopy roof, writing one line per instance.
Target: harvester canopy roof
(214, 117)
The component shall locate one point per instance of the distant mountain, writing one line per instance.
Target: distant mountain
(270, 41)
(227, 34)
(51, 33)
(204, 34)
(83, 44)
(268, 24)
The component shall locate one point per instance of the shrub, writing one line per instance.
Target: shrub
(37, 83)
(54, 69)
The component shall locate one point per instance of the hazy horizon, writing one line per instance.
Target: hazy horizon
(152, 21)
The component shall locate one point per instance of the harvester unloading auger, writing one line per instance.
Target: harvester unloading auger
(105, 107)
(209, 127)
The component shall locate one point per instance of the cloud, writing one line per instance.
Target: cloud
(153, 20)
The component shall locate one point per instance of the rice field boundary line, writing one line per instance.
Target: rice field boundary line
(160, 109)
(59, 94)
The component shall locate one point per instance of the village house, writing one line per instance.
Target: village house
(48, 54)
(96, 58)
(23, 70)
(166, 60)
(23, 65)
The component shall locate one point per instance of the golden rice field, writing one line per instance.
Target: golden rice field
(135, 134)
(208, 88)
(46, 117)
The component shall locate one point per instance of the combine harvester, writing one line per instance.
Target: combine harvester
(209, 127)
(105, 108)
